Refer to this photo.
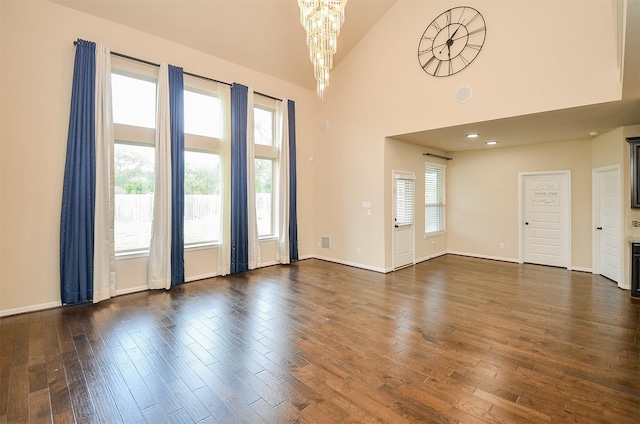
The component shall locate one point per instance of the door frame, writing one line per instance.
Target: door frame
(595, 207)
(412, 176)
(566, 212)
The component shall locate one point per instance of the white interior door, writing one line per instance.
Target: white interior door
(546, 212)
(404, 187)
(607, 223)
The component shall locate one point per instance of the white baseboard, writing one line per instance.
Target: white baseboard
(498, 258)
(30, 308)
(426, 258)
(200, 277)
(370, 268)
(580, 269)
(353, 264)
(265, 264)
(417, 261)
(476, 255)
(131, 290)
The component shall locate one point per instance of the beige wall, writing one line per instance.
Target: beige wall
(379, 91)
(35, 75)
(483, 190)
(608, 149)
(400, 156)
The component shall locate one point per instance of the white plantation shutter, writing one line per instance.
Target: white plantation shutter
(405, 200)
(434, 198)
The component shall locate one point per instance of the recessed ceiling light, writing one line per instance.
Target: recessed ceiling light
(473, 135)
(491, 143)
(593, 133)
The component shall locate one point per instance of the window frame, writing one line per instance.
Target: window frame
(269, 152)
(134, 135)
(203, 243)
(203, 144)
(440, 204)
(138, 250)
(197, 87)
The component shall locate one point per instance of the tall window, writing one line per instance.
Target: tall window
(434, 198)
(202, 113)
(134, 115)
(264, 118)
(264, 196)
(202, 179)
(134, 108)
(202, 205)
(134, 188)
(265, 162)
(133, 100)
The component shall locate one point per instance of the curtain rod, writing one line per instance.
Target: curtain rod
(146, 62)
(437, 156)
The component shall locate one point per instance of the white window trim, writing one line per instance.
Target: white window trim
(270, 153)
(135, 135)
(442, 232)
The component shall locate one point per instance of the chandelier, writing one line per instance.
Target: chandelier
(322, 19)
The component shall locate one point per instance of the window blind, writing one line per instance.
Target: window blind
(405, 201)
(434, 198)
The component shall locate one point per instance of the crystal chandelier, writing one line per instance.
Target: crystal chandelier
(322, 19)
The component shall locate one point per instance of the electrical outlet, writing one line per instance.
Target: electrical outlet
(358, 250)
(501, 245)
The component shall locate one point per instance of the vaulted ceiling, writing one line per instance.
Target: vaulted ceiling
(266, 35)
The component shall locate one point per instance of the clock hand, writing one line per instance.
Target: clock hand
(468, 34)
(453, 35)
(450, 41)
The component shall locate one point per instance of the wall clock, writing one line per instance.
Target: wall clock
(452, 41)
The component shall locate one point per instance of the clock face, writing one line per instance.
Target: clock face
(452, 41)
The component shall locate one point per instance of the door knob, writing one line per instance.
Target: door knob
(598, 228)
(526, 223)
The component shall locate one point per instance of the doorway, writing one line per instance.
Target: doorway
(404, 188)
(545, 216)
(607, 223)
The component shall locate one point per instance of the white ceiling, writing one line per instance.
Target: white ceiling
(264, 35)
(252, 33)
(559, 125)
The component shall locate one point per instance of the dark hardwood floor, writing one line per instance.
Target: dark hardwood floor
(454, 339)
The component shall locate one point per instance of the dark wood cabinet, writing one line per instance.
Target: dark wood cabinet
(634, 145)
(635, 269)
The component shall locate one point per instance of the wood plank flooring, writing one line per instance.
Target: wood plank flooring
(453, 339)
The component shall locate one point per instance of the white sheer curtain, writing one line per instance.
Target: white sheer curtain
(104, 266)
(224, 246)
(283, 180)
(159, 271)
(254, 246)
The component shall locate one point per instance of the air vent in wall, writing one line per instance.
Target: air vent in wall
(326, 242)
